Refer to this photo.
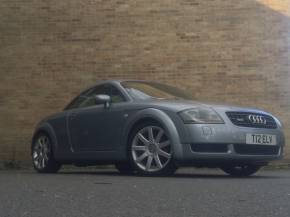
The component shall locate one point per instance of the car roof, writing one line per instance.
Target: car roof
(111, 81)
(121, 80)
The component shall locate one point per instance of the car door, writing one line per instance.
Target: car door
(96, 128)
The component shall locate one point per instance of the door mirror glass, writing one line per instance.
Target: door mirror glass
(103, 99)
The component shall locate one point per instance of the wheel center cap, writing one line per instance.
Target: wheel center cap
(152, 148)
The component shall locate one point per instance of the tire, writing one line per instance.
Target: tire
(241, 170)
(125, 168)
(150, 150)
(42, 155)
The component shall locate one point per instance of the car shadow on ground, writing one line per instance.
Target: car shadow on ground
(211, 175)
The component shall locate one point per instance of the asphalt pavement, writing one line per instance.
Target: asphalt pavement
(106, 193)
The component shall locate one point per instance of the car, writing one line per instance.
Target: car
(149, 128)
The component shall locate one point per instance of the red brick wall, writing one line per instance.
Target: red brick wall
(220, 50)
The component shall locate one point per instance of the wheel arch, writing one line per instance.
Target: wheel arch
(154, 115)
(47, 129)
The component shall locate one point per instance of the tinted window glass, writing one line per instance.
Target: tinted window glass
(75, 103)
(113, 92)
(149, 90)
(88, 98)
(101, 89)
(78, 100)
(116, 95)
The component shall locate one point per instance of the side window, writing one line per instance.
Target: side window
(102, 89)
(75, 104)
(88, 98)
(78, 100)
(116, 95)
(113, 92)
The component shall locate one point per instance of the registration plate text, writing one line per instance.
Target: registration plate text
(261, 139)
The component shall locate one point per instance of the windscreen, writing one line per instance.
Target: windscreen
(140, 90)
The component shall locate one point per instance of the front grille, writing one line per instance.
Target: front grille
(242, 119)
(256, 149)
(209, 148)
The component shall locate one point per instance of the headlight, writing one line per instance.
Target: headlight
(200, 115)
(279, 123)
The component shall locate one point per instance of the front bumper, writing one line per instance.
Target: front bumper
(220, 143)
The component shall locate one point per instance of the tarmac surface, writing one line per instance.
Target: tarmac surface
(189, 193)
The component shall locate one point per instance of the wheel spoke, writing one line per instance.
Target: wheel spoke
(143, 139)
(39, 146)
(149, 162)
(39, 162)
(45, 150)
(36, 158)
(139, 159)
(158, 162)
(35, 155)
(45, 156)
(151, 136)
(164, 144)
(43, 162)
(45, 140)
(163, 153)
(41, 142)
(139, 148)
(159, 136)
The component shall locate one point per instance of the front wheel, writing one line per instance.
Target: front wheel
(42, 155)
(151, 151)
(241, 170)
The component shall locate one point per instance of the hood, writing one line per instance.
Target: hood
(179, 105)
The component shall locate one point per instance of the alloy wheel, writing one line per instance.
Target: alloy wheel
(41, 152)
(151, 149)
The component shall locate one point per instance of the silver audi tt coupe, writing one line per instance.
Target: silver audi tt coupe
(152, 129)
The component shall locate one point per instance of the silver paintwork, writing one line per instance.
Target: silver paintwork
(165, 112)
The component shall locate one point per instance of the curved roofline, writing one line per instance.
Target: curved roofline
(121, 80)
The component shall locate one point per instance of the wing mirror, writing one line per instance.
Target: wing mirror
(103, 99)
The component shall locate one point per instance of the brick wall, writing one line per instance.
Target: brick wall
(220, 50)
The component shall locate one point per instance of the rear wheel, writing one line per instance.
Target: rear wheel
(241, 170)
(42, 155)
(151, 151)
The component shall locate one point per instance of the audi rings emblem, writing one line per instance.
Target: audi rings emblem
(257, 119)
